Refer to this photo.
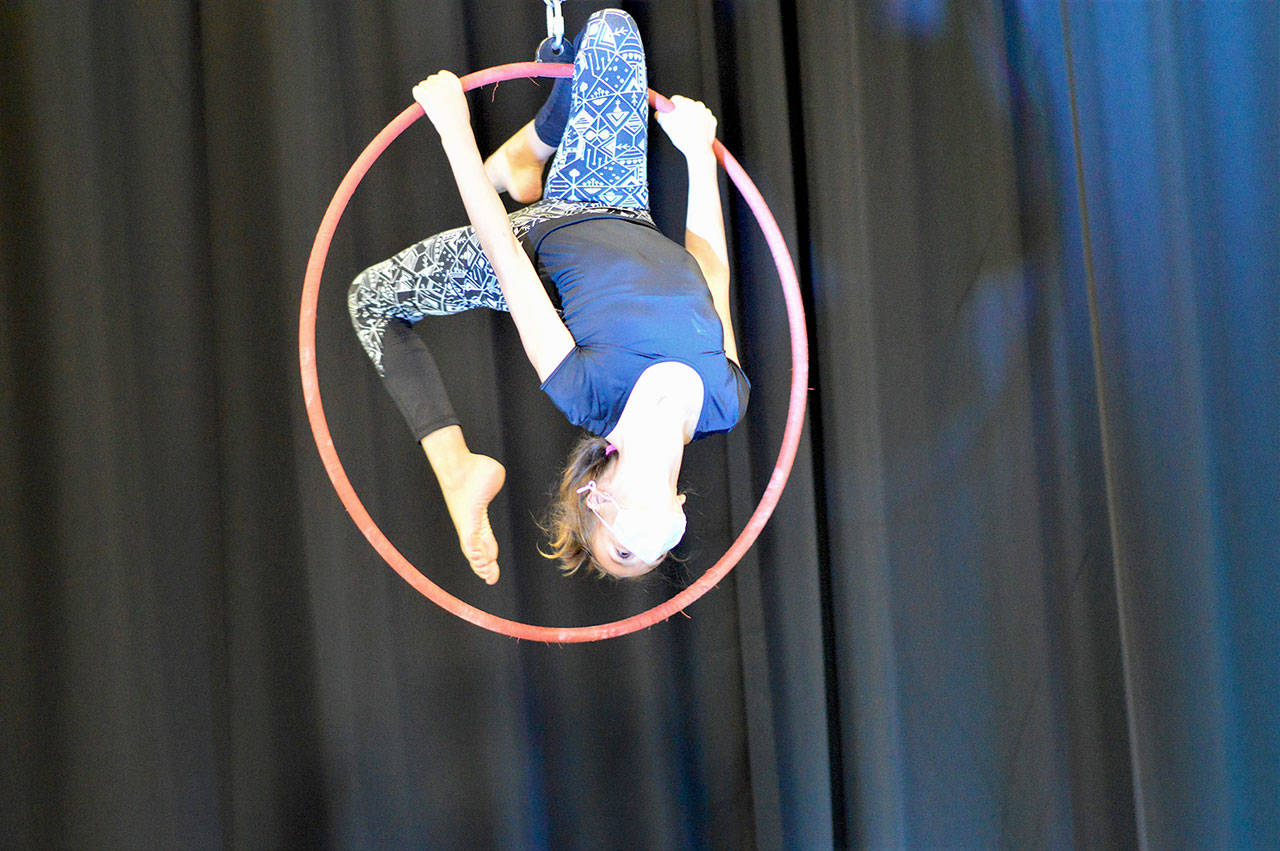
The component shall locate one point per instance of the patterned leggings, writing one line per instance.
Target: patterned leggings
(600, 164)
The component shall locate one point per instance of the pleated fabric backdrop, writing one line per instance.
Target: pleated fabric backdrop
(995, 607)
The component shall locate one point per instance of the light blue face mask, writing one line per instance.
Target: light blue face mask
(646, 532)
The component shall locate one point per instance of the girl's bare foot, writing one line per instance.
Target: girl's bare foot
(468, 499)
(516, 167)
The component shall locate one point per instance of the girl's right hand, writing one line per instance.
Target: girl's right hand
(444, 102)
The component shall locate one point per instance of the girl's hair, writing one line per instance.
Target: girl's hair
(570, 523)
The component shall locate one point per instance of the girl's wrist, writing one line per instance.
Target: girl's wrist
(457, 138)
(701, 158)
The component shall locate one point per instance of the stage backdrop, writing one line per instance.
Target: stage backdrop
(1021, 589)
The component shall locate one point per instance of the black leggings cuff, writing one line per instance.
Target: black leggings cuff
(421, 430)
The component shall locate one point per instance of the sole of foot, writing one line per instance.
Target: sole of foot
(469, 508)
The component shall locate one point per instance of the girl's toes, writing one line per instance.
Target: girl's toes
(487, 572)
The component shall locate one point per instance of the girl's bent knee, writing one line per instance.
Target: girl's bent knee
(614, 16)
(614, 19)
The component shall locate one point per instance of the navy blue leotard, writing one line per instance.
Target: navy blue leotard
(631, 298)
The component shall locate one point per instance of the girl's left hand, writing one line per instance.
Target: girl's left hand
(690, 126)
(444, 102)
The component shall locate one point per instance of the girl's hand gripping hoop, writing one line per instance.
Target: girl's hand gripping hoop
(442, 99)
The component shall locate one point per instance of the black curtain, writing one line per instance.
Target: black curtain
(1022, 588)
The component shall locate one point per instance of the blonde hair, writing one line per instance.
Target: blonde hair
(570, 524)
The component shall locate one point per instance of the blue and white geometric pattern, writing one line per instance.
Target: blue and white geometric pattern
(602, 158)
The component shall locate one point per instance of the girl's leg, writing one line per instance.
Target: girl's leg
(603, 154)
(446, 273)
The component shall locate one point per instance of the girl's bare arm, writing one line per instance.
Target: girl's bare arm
(692, 129)
(544, 336)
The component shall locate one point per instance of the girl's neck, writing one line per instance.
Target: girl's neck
(658, 420)
(650, 450)
(666, 395)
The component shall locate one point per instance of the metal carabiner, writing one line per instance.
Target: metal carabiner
(555, 23)
(552, 48)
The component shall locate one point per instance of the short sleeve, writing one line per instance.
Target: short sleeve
(725, 400)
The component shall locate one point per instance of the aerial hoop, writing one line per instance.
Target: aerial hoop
(346, 493)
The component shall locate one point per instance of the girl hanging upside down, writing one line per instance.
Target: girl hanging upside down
(641, 351)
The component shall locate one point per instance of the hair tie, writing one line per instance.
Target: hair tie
(610, 450)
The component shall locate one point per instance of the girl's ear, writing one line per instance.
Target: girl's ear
(681, 498)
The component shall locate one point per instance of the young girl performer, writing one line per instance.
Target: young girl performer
(641, 349)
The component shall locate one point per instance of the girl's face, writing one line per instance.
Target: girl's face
(607, 503)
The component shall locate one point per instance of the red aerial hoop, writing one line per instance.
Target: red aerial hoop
(332, 464)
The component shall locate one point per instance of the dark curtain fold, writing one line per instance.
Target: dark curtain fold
(937, 641)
